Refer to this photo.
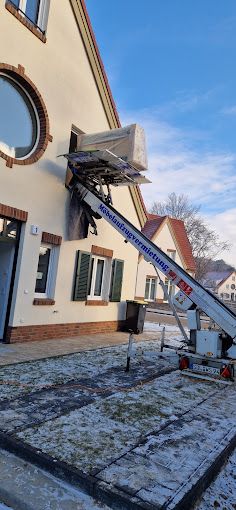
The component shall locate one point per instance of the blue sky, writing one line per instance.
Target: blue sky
(171, 67)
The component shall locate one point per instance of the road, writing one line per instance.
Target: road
(165, 317)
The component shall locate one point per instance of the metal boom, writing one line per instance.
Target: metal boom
(198, 296)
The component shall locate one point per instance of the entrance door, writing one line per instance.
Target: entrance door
(7, 251)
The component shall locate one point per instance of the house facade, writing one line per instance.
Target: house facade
(52, 87)
(223, 284)
(170, 236)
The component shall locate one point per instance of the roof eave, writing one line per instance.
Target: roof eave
(95, 60)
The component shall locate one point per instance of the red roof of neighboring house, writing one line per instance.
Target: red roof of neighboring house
(152, 226)
(183, 243)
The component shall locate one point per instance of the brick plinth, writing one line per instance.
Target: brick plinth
(49, 331)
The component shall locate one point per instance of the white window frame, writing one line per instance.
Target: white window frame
(106, 277)
(42, 14)
(170, 288)
(35, 112)
(172, 254)
(150, 278)
(52, 272)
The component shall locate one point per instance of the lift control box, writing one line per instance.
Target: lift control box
(209, 343)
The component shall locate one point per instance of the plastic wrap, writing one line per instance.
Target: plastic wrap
(128, 143)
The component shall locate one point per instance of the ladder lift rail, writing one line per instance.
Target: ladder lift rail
(197, 294)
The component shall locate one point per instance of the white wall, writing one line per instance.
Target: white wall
(229, 293)
(61, 72)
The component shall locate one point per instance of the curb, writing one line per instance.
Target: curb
(111, 496)
(116, 499)
(204, 476)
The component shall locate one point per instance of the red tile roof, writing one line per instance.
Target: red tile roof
(181, 237)
(152, 226)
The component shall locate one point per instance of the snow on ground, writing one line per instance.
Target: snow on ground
(31, 376)
(96, 436)
(172, 333)
(90, 437)
(169, 328)
(35, 489)
(221, 494)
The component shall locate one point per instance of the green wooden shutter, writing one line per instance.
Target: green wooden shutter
(82, 276)
(116, 283)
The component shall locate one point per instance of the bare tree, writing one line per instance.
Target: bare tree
(205, 242)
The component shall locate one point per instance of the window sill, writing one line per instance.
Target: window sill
(28, 24)
(96, 302)
(43, 301)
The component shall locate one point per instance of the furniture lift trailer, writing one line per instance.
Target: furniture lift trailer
(209, 351)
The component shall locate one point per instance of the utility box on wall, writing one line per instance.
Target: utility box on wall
(135, 316)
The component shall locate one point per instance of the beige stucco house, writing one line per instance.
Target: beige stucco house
(226, 288)
(52, 87)
(169, 234)
(223, 284)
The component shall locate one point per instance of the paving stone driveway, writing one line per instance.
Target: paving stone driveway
(144, 439)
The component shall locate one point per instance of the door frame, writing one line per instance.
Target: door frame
(12, 281)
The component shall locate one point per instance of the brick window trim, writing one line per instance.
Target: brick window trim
(102, 252)
(96, 302)
(43, 301)
(151, 276)
(18, 73)
(26, 22)
(13, 213)
(51, 239)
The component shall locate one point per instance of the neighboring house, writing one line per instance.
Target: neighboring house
(169, 234)
(223, 284)
(52, 87)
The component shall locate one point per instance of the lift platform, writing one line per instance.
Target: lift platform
(92, 173)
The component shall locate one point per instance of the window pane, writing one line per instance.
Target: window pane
(73, 142)
(153, 289)
(42, 272)
(147, 288)
(90, 277)
(16, 2)
(32, 10)
(171, 289)
(99, 276)
(18, 126)
(8, 228)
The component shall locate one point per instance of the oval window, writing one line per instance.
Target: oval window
(18, 122)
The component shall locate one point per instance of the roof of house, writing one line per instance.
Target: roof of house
(89, 24)
(214, 279)
(95, 60)
(152, 225)
(177, 227)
